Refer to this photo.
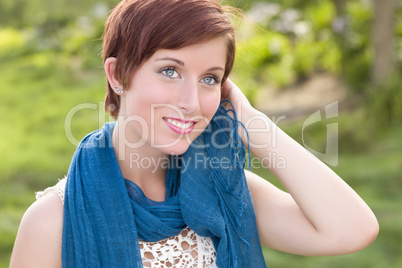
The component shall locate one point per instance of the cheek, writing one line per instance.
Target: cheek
(152, 94)
(148, 89)
(210, 104)
(146, 100)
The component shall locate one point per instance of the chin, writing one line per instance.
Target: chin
(176, 150)
(177, 146)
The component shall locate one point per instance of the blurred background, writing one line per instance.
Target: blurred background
(294, 58)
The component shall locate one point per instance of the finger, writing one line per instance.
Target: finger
(228, 85)
(227, 88)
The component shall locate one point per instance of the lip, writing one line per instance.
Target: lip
(180, 130)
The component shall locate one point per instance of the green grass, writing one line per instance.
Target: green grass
(37, 93)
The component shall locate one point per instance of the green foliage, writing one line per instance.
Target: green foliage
(311, 56)
(46, 91)
(263, 48)
(11, 40)
(50, 15)
(287, 45)
(384, 105)
(357, 53)
(320, 15)
(311, 43)
(262, 58)
(359, 16)
(305, 56)
(357, 72)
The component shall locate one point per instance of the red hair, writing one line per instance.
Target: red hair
(136, 29)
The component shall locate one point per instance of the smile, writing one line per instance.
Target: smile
(180, 126)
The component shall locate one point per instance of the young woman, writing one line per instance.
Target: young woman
(164, 185)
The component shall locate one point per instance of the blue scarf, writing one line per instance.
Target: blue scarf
(206, 189)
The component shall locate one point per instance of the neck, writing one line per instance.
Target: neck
(139, 162)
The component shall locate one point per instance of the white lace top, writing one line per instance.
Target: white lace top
(187, 249)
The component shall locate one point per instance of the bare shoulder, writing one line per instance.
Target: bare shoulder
(38, 242)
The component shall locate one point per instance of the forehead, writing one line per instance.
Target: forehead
(211, 52)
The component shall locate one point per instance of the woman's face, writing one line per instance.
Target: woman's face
(173, 96)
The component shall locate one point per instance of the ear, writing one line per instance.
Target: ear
(110, 70)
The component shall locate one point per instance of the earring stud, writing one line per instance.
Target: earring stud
(119, 91)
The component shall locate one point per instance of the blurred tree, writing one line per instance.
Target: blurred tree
(339, 24)
(383, 31)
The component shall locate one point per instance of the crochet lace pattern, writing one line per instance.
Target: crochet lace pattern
(187, 249)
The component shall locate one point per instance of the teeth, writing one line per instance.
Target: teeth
(179, 124)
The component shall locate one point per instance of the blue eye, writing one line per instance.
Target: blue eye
(170, 72)
(210, 80)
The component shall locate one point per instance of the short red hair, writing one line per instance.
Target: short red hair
(136, 29)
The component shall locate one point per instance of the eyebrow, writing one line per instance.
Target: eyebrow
(182, 63)
(171, 59)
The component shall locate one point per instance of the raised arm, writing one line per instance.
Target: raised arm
(320, 214)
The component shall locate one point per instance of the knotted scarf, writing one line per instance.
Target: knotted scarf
(206, 190)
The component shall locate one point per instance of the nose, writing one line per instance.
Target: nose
(189, 101)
